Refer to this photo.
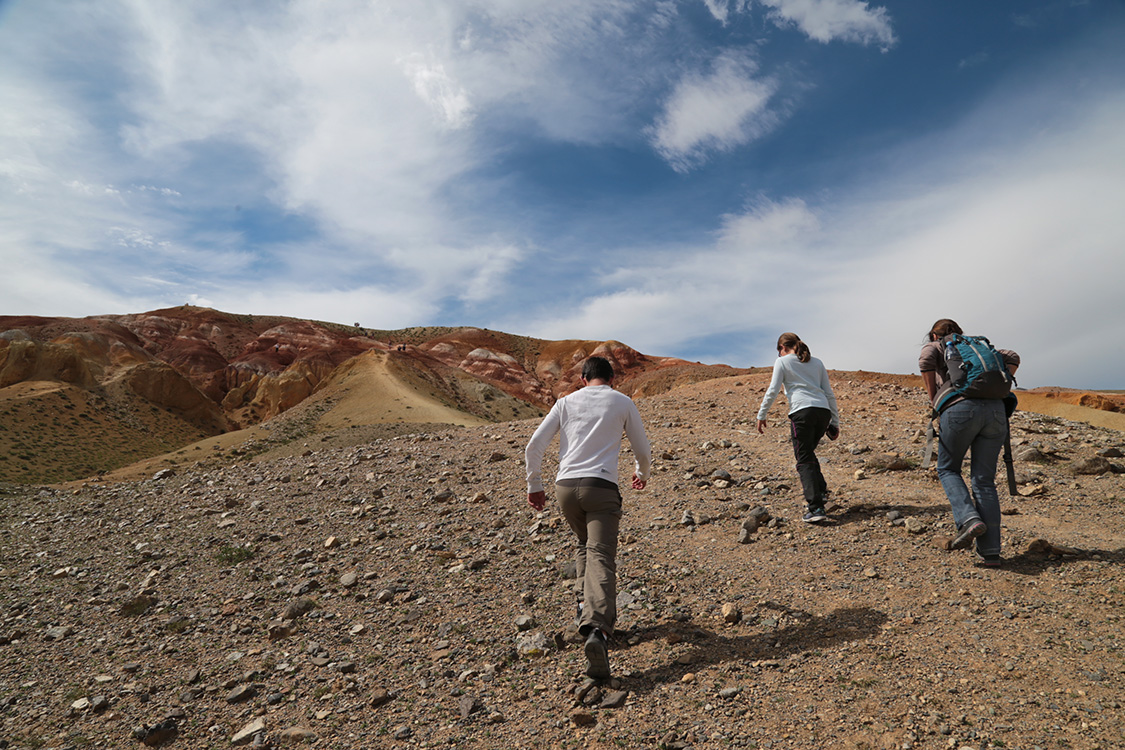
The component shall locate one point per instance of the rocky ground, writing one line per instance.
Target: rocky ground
(398, 592)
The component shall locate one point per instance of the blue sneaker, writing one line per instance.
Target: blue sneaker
(815, 515)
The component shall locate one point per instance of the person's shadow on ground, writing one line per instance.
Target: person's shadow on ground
(797, 632)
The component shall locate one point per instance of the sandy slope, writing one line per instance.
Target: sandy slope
(365, 391)
(1053, 407)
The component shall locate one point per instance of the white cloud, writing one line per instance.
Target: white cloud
(829, 20)
(1016, 237)
(716, 112)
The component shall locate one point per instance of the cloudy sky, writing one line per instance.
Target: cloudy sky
(690, 177)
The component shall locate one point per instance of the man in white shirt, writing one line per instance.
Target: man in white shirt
(590, 423)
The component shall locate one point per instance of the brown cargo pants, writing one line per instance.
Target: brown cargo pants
(592, 508)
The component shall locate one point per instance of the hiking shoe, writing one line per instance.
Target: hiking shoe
(988, 561)
(815, 515)
(597, 654)
(968, 533)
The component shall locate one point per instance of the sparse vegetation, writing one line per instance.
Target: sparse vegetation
(233, 554)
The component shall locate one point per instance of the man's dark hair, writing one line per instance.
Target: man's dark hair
(597, 368)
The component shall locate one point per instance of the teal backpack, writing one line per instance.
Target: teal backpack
(976, 370)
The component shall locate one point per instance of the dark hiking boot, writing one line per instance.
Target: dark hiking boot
(597, 654)
(968, 533)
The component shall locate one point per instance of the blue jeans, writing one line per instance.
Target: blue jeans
(979, 426)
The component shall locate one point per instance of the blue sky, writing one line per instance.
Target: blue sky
(689, 177)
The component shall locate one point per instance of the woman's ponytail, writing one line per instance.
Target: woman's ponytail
(793, 341)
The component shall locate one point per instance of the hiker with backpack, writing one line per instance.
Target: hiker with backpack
(969, 383)
(812, 415)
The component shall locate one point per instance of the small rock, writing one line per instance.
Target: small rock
(915, 525)
(583, 719)
(870, 572)
(533, 644)
(246, 734)
(1092, 466)
(402, 732)
(296, 736)
(731, 613)
(379, 696)
(614, 699)
(885, 462)
(467, 705)
(525, 622)
(157, 734)
(241, 693)
(58, 632)
(298, 607)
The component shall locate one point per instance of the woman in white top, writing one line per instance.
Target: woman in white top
(812, 414)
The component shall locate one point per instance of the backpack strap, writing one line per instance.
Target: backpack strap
(1010, 403)
(929, 451)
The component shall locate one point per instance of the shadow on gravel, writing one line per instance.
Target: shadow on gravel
(1034, 563)
(797, 632)
(854, 513)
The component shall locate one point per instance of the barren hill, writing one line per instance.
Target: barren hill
(79, 396)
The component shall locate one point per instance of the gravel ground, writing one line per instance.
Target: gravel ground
(399, 592)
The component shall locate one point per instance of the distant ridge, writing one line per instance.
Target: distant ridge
(82, 396)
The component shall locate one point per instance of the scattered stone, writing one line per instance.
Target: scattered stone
(731, 613)
(279, 629)
(583, 719)
(402, 732)
(915, 525)
(58, 632)
(241, 693)
(349, 579)
(1111, 452)
(296, 736)
(860, 474)
(883, 462)
(525, 622)
(246, 734)
(1093, 466)
(378, 697)
(467, 705)
(533, 644)
(157, 734)
(728, 693)
(163, 474)
(298, 607)
(1043, 547)
(1031, 454)
(614, 699)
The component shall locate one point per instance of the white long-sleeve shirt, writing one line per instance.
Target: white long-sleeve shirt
(590, 423)
(805, 383)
